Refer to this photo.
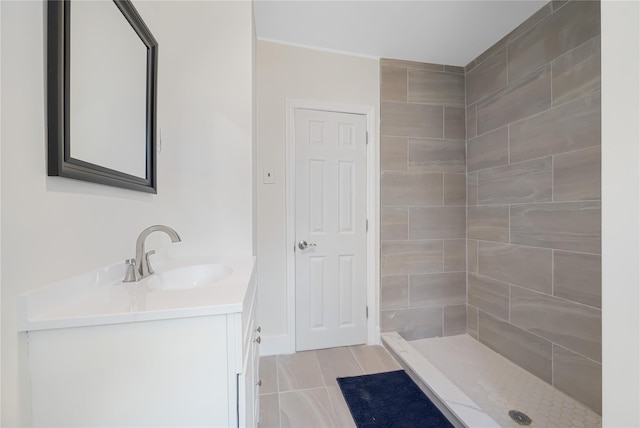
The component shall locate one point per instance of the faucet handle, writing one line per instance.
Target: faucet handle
(132, 274)
(146, 256)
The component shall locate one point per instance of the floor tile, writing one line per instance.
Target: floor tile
(308, 408)
(269, 411)
(342, 412)
(306, 393)
(299, 371)
(268, 375)
(374, 359)
(337, 362)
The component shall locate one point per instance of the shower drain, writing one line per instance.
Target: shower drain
(519, 417)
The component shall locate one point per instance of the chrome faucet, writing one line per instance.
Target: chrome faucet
(142, 265)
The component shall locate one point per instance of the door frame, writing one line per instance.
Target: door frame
(373, 209)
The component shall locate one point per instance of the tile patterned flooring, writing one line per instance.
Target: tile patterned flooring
(300, 390)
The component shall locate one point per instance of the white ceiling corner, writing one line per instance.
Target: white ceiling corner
(451, 32)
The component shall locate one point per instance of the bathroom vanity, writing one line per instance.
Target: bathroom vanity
(178, 348)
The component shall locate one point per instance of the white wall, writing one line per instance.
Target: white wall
(620, 213)
(288, 72)
(54, 227)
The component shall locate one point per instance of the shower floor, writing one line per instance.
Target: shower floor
(480, 386)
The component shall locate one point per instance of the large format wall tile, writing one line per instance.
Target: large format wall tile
(524, 266)
(488, 223)
(578, 377)
(393, 83)
(577, 72)
(471, 123)
(406, 189)
(516, 183)
(437, 289)
(578, 277)
(413, 324)
(571, 126)
(436, 155)
(488, 295)
(526, 350)
(553, 37)
(411, 120)
(435, 88)
(472, 256)
(411, 64)
(455, 320)
(487, 77)
(394, 223)
(472, 189)
(533, 128)
(437, 222)
(393, 153)
(454, 69)
(572, 325)
(472, 321)
(488, 150)
(455, 189)
(394, 292)
(576, 175)
(455, 255)
(410, 257)
(423, 164)
(454, 123)
(573, 226)
(520, 99)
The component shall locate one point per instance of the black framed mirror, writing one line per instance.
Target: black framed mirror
(102, 63)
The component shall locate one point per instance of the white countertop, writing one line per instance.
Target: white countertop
(100, 297)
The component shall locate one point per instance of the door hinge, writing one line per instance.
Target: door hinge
(366, 137)
(366, 225)
(367, 311)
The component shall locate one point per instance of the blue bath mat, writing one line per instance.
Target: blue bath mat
(389, 399)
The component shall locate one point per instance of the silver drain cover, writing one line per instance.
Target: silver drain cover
(519, 417)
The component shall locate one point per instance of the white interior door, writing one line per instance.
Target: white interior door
(330, 190)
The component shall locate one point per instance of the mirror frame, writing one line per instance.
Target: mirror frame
(60, 162)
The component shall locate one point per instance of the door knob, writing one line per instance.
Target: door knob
(304, 244)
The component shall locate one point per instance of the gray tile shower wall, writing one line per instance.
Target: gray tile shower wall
(533, 198)
(423, 199)
(490, 198)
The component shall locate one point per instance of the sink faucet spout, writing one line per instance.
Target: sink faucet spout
(142, 257)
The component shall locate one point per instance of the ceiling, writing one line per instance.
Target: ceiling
(451, 32)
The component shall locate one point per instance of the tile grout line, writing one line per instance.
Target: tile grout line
(533, 246)
(553, 272)
(551, 81)
(553, 178)
(355, 357)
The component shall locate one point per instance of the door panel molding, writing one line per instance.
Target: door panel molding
(373, 234)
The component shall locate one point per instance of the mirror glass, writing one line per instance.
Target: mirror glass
(101, 93)
(108, 66)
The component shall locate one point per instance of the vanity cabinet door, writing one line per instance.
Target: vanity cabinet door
(156, 373)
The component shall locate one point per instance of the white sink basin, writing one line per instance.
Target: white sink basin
(194, 276)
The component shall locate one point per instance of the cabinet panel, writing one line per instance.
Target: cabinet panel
(157, 373)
